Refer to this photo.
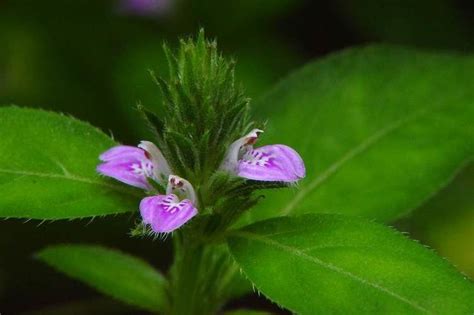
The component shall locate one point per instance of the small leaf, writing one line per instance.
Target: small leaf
(48, 168)
(111, 272)
(380, 128)
(320, 264)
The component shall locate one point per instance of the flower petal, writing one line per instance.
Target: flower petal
(165, 213)
(147, 208)
(121, 151)
(127, 164)
(123, 171)
(272, 163)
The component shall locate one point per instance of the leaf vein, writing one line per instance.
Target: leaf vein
(69, 176)
(329, 266)
(355, 151)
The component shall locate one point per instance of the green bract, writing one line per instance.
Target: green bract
(203, 112)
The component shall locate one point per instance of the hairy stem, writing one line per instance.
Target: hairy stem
(199, 280)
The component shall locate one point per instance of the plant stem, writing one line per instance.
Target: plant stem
(199, 280)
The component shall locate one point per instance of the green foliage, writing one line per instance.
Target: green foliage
(325, 263)
(47, 168)
(111, 272)
(204, 111)
(380, 129)
(228, 197)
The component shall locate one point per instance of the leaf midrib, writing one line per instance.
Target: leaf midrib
(72, 177)
(348, 156)
(296, 252)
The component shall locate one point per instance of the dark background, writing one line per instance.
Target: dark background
(91, 59)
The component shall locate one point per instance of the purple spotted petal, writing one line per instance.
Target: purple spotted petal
(272, 163)
(127, 164)
(165, 213)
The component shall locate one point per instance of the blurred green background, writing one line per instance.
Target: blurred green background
(91, 59)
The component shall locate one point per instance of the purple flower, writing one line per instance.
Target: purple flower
(145, 7)
(276, 162)
(166, 213)
(135, 165)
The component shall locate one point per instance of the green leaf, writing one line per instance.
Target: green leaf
(380, 129)
(239, 286)
(48, 168)
(327, 263)
(111, 272)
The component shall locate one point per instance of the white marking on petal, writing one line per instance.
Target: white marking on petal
(257, 158)
(144, 168)
(272, 163)
(166, 213)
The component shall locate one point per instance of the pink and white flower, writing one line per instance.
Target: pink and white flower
(275, 162)
(166, 213)
(135, 165)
